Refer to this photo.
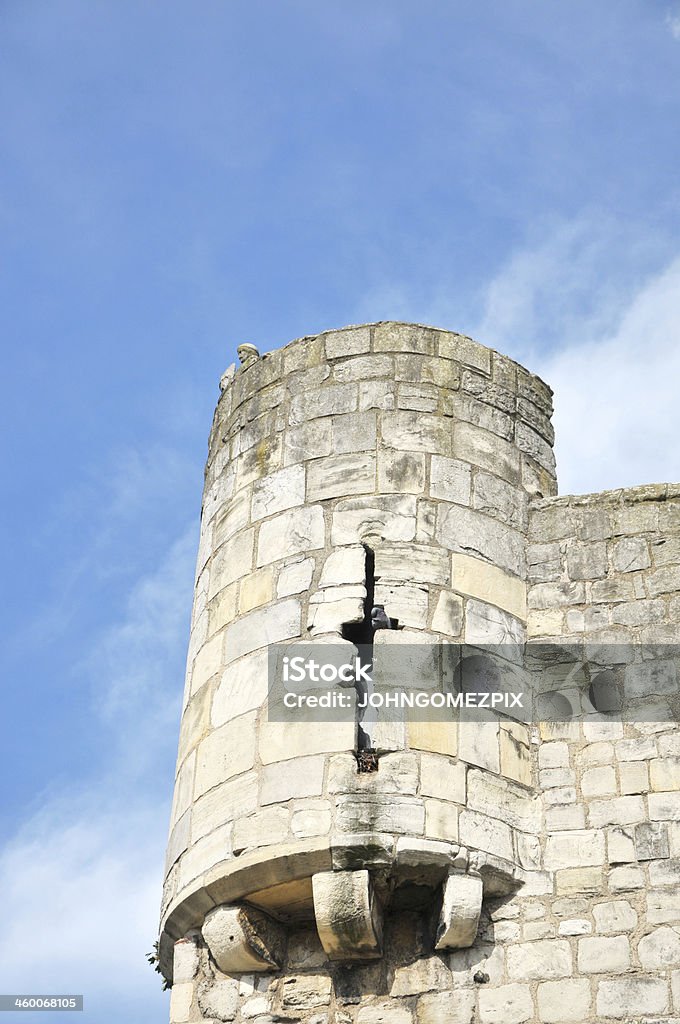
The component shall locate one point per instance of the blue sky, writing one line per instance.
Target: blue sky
(177, 178)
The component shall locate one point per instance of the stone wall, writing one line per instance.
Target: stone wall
(436, 454)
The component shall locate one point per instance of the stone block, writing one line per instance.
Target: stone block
(295, 577)
(262, 627)
(448, 615)
(442, 778)
(348, 915)
(553, 755)
(507, 1004)
(601, 954)
(480, 832)
(565, 816)
(304, 992)
(364, 367)
(615, 916)
(542, 960)
(562, 1001)
(340, 475)
(242, 688)
(401, 472)
(291, 533)
(376, 394)
(256, 589)
(279, 491)
(227, 751)
(479, 744)
(385, 518)
(446, 1008)
(634, 777)
(651, 841)
(390, 814)
(437, 737)
(396, 337)
(292, 780)
(578, 880)
(463, 530)
(499, 798)
(664, 774)
(660, 949)
(384, 1013)
(441, 820)
(422, 397)
(223, 804)
(623, 998)
(352, 342)
(404, 601)
(598, 781)
(450, 480)
(623, 810)
(514, 753)
(664, 806)
(231, 561)
(346, 565)
(207, 663)
(243, 939)
(354, 433)
(461, 909)
(312, 440)
(181, 998)
(412, 431)
(574, 849)
(426, 975)
(620, 846)
(281, 741)
(313, 818)
(202, 856)
(328, 400)
(501, 500)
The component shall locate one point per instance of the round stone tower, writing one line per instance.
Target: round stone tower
(317, 870)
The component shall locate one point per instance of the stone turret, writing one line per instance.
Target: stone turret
(389, 870)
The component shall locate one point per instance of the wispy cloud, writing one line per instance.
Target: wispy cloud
(673, 23)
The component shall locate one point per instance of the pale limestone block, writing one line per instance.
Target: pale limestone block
(598, 781)
(222, 609)
(354, 433)
(586, 561)
(437, 737)
(397, 337)
(207, 663)
(376, 394)
(626, 878)
(539, 961)
(184, 787)
(561, 795)
(403, 601)
(398, 773)
(486, 450)
(226, 752)
(263, 458)
(615, 916)
(660, 949)
(256, 589)
(264, 828)
(185, 960)
(406, 656)
(600, 954)
(212, 849)
(663, 907)
(448, 615)
(389, 517)
(463, 349)
(330, 609)
(262, 627)
(485, 624)
(364, 367)
(307, 441)
(423, 370)
(345, 565)
(551, 778)
(243, 939)
(623, 810)
(664, 872)
(178, 839)
(340, 475)
(629, 997)
(384, 1013)
(279, 491)
(415, 853)
(664, 806)
(295, 577)
(461, 909)
(562, 1001)
(290, 780)
(507, 1004)
(181, 998)
(651, 677)
(401, 472)
(578, 880)
(348, 915)
(478, 744)
(219, 492)
(446, 1008)
(548, 595)
(634, 776)
(291, 533)
(196, 719)
(596, 729)
(545, 623)
(620, 846)
(314, 819)
(578, 926)
(223, 804)
(663, 581)
(234, 517)
(664, 773)
(651, 841)
(596, 753)
(553, 755)
(281, 741)
(566, 816)
(256, 1006)
(425, 975)
(442, 778)
(406, 430)
(499, 798)
(463, 530)
(231, 561)
(328, 400)
(500, 500)
(528, 851)
(392, 814)
(483, 833)
(426, 519)
(243, 687)
(569, 906)
(514, 753)
(422, 397)
(574, 849)
(450, 480)
(530, 932)
(412, 563)
(347, 342)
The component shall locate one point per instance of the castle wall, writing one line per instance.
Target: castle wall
(436, 454)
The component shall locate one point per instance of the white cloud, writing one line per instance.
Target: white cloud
(673, 23)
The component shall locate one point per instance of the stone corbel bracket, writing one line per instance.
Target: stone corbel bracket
(461, 909)
(348, 915)
(243, 939)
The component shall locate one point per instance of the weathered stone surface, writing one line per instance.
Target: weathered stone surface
(539, 961)
(426, 975)
(469, 532)
(411, 563)
(262, 627)
(295, 577)
(243, 687)
(442, 778)
(599, 954)
(446, 1008)
(507, 1004)
(561, 1001)
(461, 908)
(448, 615)
(290, 533)
(243, 939)
(348, 915)
(450, 480)
(401, 472)
(278, 491)
(660, 949)
(616, 916)
(389, 517)
(340, 475)
(622, 998)
(290, 780)
(226, 752)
